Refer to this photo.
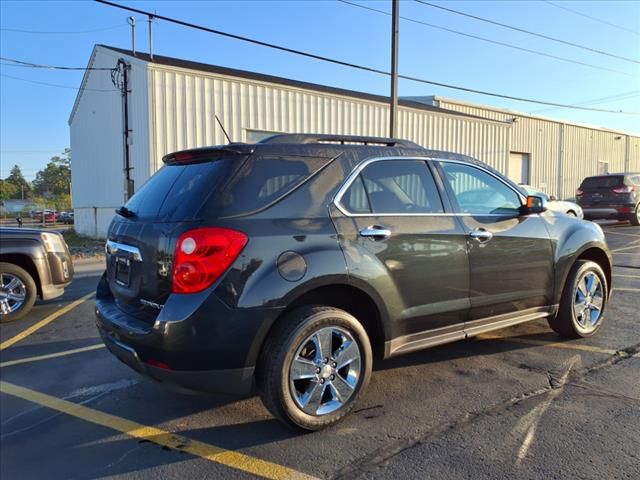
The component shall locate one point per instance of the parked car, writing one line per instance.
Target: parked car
(553, 203)
(66, 218)
(615, 195)
(33, 263)
(287, 265)
(49, 215)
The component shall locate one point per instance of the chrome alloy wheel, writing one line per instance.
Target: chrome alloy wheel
(325, 371)
(13, 293)
(588, 301)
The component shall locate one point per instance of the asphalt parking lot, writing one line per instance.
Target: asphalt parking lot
(518, 403)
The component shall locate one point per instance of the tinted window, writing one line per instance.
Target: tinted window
(476, 191)
(394, 186)
(176, 192)
(594, 183)
(355, 199)
(263, 180)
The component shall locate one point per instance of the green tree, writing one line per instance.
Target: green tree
(15, 178)
(54, 181)
(7, 190)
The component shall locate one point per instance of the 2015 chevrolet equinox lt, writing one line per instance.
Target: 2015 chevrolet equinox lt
(286, 265)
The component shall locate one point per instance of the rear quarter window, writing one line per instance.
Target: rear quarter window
(262, 181)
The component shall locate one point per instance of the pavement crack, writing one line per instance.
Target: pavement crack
(376, 458)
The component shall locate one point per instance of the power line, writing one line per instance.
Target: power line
(20, 63)
(54, 84)
(495, 42)
(529, 32)
(37, 32)
(351, 65)
(595, 19)
(598, 101)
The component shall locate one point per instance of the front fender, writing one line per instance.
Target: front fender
(572, 239)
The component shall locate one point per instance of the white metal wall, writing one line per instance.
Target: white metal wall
(96, 128)
(185, 102)
(560, 154)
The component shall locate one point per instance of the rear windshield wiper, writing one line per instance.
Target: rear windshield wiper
(125, 212)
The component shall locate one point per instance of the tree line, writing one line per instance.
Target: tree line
(50, 189)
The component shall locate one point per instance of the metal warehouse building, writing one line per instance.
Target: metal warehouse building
(172, 104)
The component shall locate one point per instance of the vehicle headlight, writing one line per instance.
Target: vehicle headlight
(53, 243)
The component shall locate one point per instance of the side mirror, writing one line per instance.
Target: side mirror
(534, 204)
(552, 198)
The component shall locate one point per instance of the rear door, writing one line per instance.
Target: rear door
(510, 255)
(398, 238)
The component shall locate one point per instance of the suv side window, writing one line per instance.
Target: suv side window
(478, 192)
(393, 187)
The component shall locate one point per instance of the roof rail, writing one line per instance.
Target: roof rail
(341, 139)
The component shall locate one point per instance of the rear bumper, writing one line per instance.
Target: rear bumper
(235, 381)
(619, 212)
(196, 342)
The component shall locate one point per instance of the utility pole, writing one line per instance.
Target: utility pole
(132, 22)
(150, 37)
(395, 27)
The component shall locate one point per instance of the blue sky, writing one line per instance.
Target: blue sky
(33, 117)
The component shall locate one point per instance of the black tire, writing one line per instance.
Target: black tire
(572, 213)
(635, 218)
(278, 354)
(566, 322)
(30, 291)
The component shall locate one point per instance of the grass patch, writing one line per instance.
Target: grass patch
(75, 240)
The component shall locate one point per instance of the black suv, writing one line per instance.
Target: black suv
(288, 264)
(615, 196)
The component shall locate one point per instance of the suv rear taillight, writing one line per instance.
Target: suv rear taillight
(202, 255)
(625, 189)
(579, 193)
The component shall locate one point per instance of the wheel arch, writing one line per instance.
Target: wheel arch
(594, 253)
(352, 299)
(24, 261)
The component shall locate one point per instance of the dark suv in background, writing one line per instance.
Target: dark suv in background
(613, 196)
(288, 264)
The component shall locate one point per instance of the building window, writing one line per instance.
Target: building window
(603, 167)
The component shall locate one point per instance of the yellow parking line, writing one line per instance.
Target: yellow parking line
(51, 355)
(228, 458)
(542, 343)
(47, 320)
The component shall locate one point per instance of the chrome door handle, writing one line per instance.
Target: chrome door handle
(375, 232)
(481, 235)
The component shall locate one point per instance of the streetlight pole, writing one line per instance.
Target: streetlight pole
(395, 27)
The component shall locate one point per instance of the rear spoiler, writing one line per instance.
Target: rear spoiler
(196, 155)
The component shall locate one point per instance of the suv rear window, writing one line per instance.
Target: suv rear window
(593, 183)
(177, 191)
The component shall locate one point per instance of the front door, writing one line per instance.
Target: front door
(397, 237)
(510, 255)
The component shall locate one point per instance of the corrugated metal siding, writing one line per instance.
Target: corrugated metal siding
(185, 102)
(560, 155)
(96, 140)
